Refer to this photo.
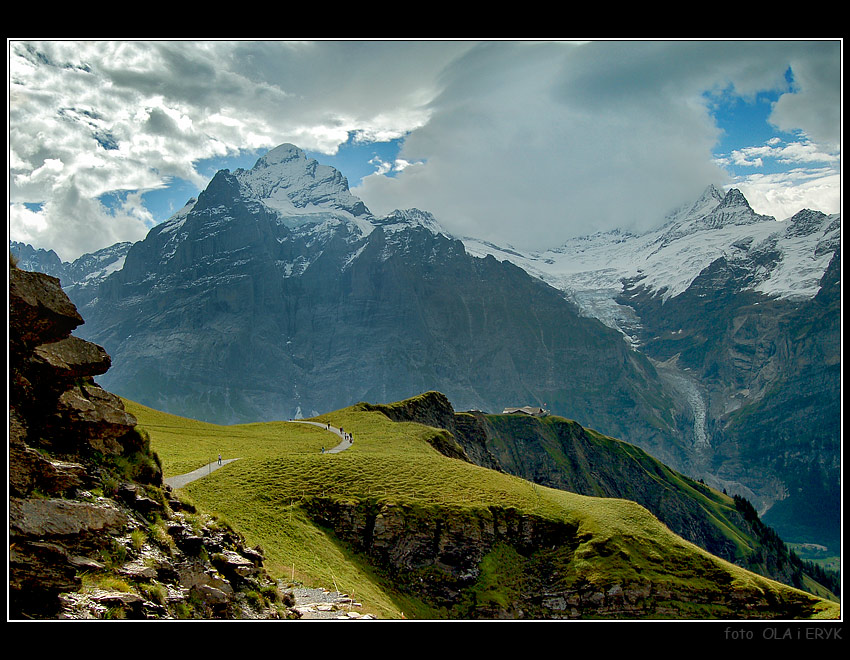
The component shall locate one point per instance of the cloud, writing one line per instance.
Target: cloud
(801, 151)
(70, 223)
(782, 195)
(90, 118)
(815, 105)
(532, 143)
(521, 142)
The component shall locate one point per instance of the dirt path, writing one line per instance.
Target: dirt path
(182, 479)
(342, 446)
(312, 603)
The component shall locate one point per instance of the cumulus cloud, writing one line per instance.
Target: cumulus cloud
(815, 105)
(71, 223)
(801, 151)
(783, 195)
(521, 142)
(91, 118)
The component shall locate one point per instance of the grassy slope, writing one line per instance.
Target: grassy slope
(281, 463)
(579, 451)
(595, 464)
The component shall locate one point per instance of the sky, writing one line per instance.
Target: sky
(520, 142)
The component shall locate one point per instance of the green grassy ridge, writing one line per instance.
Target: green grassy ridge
(281, 466)
(585, 461)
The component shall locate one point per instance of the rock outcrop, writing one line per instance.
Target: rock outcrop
(92, 531)
(500, 563)
(562, 454)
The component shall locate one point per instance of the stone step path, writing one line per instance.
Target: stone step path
(317, 603)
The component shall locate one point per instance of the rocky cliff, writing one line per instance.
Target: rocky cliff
(562, 454)
(500, 563)
(92, 531)
(769, 372)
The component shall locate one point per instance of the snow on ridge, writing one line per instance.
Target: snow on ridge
(591, 269)
(107, 269)
(176, 221)
(353, 256)
(671, 267)
(399, 220)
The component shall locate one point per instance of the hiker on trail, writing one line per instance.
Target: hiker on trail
(219, 459)
(323, 450)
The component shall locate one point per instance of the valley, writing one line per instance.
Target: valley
(419, 517)
(710, 342)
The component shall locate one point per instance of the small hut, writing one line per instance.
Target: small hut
(534, 411)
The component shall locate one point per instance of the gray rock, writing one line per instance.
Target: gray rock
(56, 518)
(72, 358)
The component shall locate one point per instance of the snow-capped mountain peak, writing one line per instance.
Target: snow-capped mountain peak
(705, 204)
(713, 210)
(404, 219)
(734, 209)
(804, 223)
(296, 187)
(786, 258)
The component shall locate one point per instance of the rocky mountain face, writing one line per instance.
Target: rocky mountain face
(277, 294)
(76, 276)
(768, 375)
(39, 260)
(93, 533)
(740, 315)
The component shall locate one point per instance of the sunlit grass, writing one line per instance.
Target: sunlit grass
(281, 465)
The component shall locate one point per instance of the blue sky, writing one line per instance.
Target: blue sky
(520, 142)
(744, 124)
(354, 160)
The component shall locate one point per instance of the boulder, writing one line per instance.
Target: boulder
(30, 470)
(39, 310)
(134, 496)
(232, 563)
(71, 358)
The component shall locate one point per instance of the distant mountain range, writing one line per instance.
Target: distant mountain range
(712, 342)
